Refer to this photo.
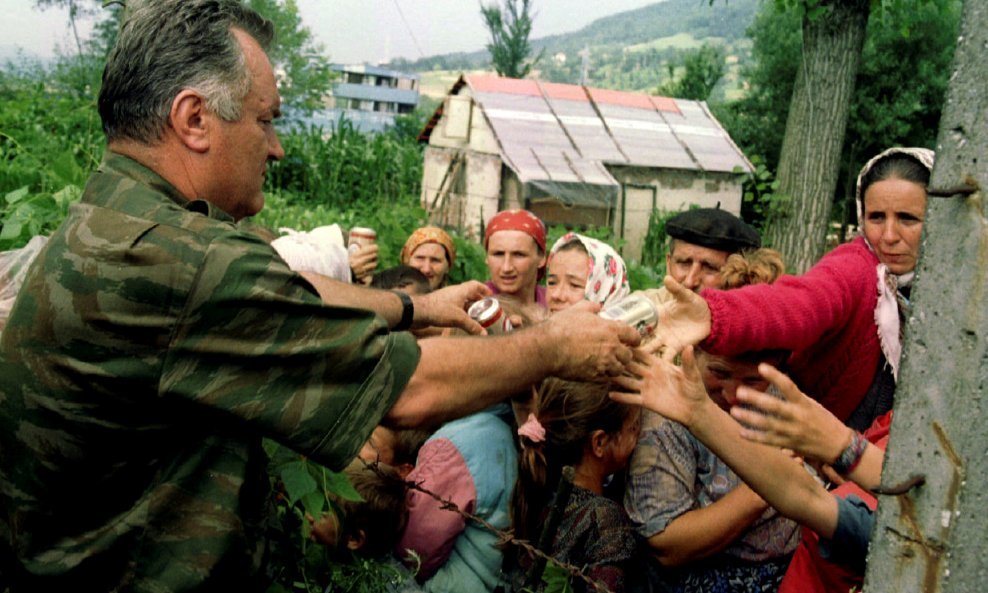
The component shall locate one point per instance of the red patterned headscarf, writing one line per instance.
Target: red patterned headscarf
(517, 220)
(428, 234)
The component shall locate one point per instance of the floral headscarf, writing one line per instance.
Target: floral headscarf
(428, 234)
(892, 306)
(607, 276)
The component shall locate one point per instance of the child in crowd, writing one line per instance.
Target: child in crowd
(397, 448)
(584, 269)
(471, 462)
(404, 278)
(369, 528)
(577, 424)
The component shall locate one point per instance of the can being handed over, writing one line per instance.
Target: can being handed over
(489, 314)
(360, 236)
(637, 310)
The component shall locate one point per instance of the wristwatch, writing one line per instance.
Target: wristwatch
(407, 312)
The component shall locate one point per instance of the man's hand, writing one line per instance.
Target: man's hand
(676, 393)
(586, 346)
(683, 321)
(363, 262)
(795, 422)
(447, 307)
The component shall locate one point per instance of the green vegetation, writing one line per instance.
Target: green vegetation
(628, 51)
(50, 138)
(509, 26)
(899, 93)
(702, 69)
(678, 41)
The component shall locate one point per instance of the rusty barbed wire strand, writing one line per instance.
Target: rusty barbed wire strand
(503, 536)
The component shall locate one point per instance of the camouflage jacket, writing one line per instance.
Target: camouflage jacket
(151, 348)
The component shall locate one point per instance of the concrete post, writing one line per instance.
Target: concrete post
(933, 537)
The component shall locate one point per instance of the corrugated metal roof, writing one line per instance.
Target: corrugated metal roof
(562, 135)
(564, 131)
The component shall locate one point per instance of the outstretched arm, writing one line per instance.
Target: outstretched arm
(678, 394)
(457, 376)
(445, 307)
(800, 423)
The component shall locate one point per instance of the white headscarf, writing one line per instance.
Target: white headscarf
(890, 300)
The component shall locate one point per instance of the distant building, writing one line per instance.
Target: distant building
(574, 155)
(368, 96)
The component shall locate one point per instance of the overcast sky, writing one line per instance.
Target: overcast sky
(350, 30)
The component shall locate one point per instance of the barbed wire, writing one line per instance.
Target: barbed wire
(504, 537)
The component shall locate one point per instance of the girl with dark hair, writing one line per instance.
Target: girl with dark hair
(577, 424)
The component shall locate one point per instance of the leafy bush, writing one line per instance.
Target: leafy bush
(761, 201)
(347, 168)
(50, 139)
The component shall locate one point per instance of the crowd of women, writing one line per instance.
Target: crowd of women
(750, 466)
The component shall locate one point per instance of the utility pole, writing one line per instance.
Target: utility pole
(931, 537)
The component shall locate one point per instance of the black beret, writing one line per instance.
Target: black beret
(713, 228)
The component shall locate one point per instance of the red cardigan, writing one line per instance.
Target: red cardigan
(826, 318)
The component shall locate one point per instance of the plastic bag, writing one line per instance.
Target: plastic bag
(320, 250)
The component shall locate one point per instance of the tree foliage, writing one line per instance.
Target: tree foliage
(303, 71)
(757, 120)
(510, 26)
(898, 98)
(702, 69)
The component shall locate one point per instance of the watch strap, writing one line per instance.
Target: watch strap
(407, 312)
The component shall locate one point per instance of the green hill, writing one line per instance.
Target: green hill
(630, 50)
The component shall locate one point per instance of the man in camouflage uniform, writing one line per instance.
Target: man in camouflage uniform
(154, 344)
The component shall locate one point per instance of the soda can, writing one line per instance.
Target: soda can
(636, 310)
(489, 314)
(360, 236)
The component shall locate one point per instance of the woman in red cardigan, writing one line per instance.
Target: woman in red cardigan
(842, 319)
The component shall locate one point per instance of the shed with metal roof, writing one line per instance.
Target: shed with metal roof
(574, 155)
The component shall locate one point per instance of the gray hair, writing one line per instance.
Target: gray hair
(165, 46)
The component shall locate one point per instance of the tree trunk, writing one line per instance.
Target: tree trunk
(932, 538)
(811, 148)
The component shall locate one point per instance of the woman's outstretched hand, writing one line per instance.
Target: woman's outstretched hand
(675, 392)
(795, 422)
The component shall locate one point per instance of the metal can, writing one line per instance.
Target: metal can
(637, 310)
(489, 314)
(360, 236)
